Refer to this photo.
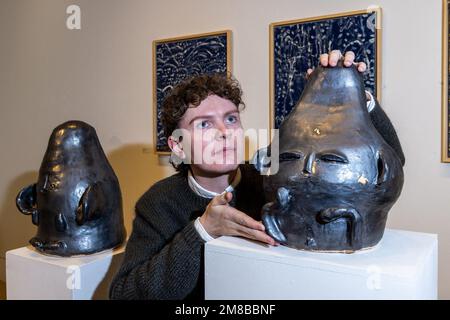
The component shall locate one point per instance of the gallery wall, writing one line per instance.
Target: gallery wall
(102, 74)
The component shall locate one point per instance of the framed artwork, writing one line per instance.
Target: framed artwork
(296, 45)
(177, 59)
(445, 141)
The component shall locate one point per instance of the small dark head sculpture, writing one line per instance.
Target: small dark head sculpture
(76, 202)
(337, 177)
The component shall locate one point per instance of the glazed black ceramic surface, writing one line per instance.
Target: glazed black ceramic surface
(76, 202)
(337, 177)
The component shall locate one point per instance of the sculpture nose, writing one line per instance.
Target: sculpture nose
(308, 166)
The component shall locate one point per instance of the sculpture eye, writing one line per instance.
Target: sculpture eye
(290, 156)
(333, 158)
(51, 183)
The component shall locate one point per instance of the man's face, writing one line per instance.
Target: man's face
(215, 136)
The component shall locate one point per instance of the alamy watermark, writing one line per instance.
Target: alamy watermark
(73, 282)
(73, 21)
(224, 147)
(373, 281)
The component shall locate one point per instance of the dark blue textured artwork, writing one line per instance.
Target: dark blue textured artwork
(178, 60)
(297, 47)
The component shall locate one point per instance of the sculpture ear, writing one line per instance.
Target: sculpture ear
(90, 203)
(26, 200)
(261, 160)
(382, 169)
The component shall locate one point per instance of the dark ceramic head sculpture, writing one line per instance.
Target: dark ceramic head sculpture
(337, 177)
(76, 202)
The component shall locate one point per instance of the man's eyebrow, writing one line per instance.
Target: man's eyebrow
(230, 112)
(211, 116)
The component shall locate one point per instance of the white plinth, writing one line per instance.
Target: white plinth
(402, 266)
(32, 275)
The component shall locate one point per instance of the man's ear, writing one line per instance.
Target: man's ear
(176, 147)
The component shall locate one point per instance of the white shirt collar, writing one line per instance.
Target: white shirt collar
(199, 190)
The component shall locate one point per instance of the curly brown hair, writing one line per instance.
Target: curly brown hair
(191, 92)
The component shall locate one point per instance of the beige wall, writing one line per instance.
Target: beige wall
(102, 74)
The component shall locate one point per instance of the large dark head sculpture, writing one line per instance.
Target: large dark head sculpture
(337, 177)
(76, 202)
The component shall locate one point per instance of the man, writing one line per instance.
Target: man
(208, 198)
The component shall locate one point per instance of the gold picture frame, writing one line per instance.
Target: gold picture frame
(445, 126)
(217, 59)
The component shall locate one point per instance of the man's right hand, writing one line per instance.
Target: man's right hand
(220, 219)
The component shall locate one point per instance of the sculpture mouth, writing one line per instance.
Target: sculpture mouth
(46, 246)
